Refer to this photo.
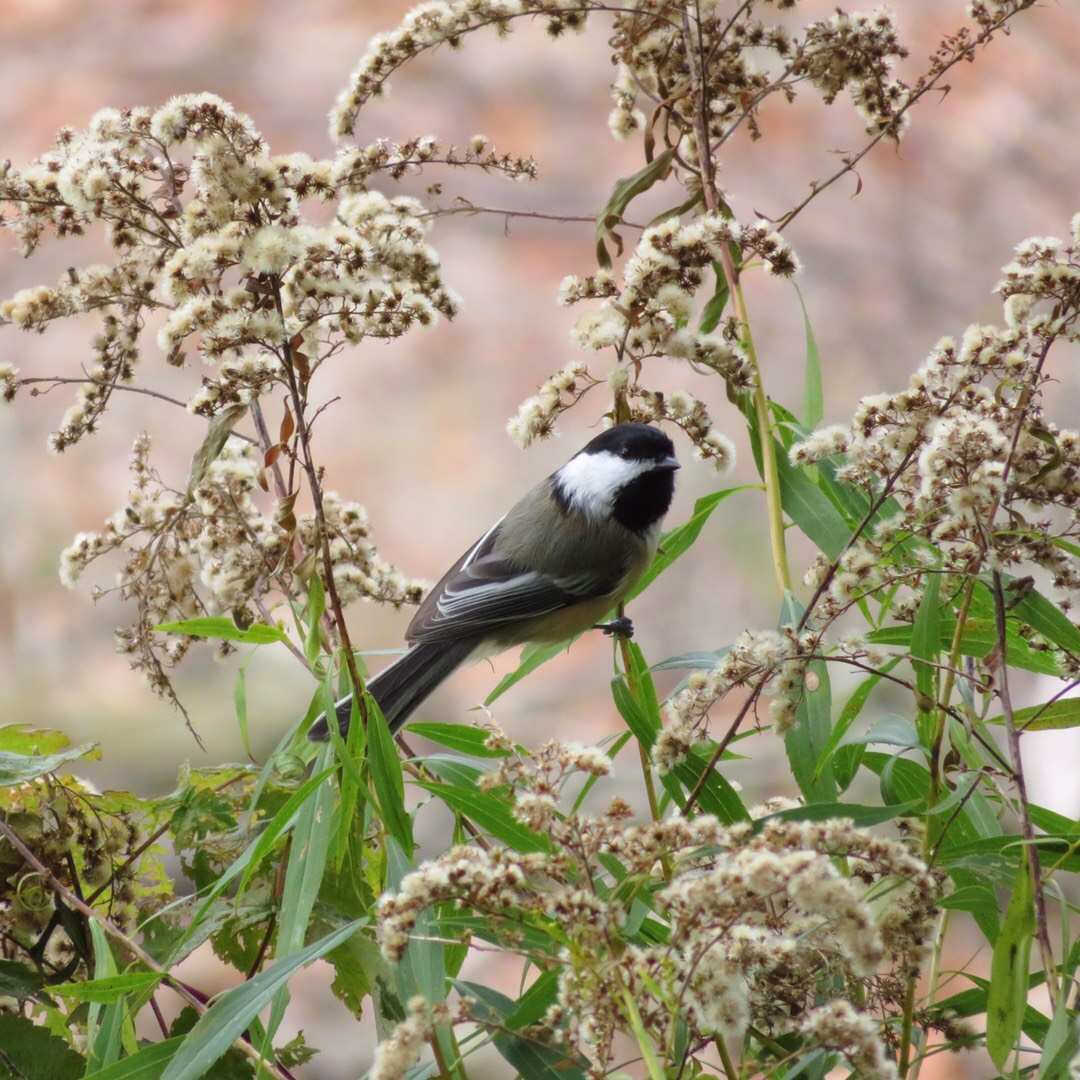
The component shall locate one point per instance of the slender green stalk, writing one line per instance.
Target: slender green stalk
(774, 1048)
(771, 476)
(935, 973)
(1042, 932)
(930, 833)
(941, 722)
(725, 1058)
(707, 171)
(907, 1029)
(645, 1043)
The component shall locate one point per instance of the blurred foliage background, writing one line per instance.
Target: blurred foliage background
(418, 433)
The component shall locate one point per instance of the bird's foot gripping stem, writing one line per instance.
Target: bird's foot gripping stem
(620, 627)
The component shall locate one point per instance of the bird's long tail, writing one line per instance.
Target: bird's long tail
(404, 685)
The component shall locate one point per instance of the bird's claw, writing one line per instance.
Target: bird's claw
(621, 627)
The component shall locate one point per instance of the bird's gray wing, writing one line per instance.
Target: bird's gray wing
(484, 590)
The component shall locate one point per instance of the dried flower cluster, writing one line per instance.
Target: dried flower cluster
(853, 52)
(703, 75)
(537, 415)
(753, 925)
(771, 657)
(648, 316)
(211, 245)
(980, 479)
(691, 415)
(218, 552)
(967, 476)
(400, 1051)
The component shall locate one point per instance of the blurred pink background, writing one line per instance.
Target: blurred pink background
(418, 435)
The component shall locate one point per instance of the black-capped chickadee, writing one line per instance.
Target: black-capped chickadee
(562, 558)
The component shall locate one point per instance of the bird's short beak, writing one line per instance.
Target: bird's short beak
(669, 463)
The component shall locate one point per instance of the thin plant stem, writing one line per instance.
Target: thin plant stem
(718, 753)
(264, 438)
(851, 161)
(65, 380)
(507, 213)
(707, 170)
(935, 974)
(725, 1057)
(622, 411)
(320, 516)
(644, 1041)
(941, 719)
(907, 1028)
(765, 435)
(1042, 932)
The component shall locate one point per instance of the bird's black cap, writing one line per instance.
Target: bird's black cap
(639, 442)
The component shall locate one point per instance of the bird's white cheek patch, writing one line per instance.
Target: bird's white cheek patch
(591, 481)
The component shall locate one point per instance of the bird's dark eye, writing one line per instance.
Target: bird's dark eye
(625, 452)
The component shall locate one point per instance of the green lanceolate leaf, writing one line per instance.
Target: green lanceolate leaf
(717, 795)
(240, 708)
(459, 737)
(814, 396)
(626, 190)
(971, 1002)
(18, 981)
(638, 718)
(532, 657)
(1064, 713)
(231, 1014)
(810, 508)
(1007, 996)
(387, 779)
(316, 605)
(713, 311)
(147, 1064)
(422, 970)
(221, 626)
(862, 815)
(679, 540)
(1061, 1044)
(530, 1058)
(490, 813)
(1045, 617)
(848, 715)
(276, 827)
(806, 741)
(217, 435)
(303, 875)
(104, 1022)
(109, 988)
(531, 1006)
(978, 639)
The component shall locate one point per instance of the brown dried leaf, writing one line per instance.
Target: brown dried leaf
(288, 426)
